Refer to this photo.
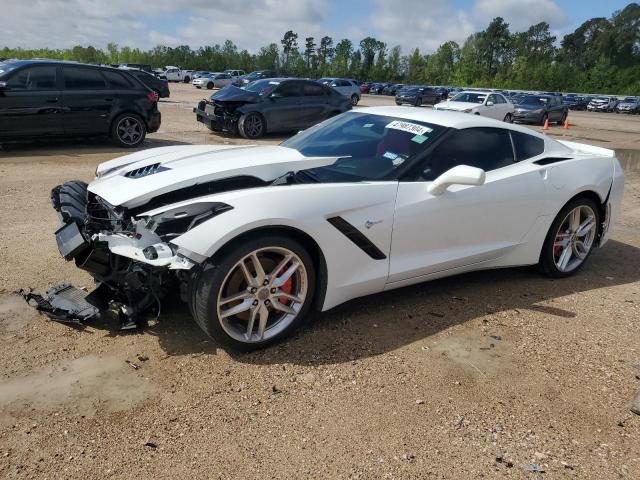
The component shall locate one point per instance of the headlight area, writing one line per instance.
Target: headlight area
(130, 258)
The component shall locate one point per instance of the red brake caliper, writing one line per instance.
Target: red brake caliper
(287, 287)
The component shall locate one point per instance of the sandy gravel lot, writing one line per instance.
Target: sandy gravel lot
(486, 375)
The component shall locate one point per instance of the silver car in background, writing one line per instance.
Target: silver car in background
(213, 80)
(346, 86)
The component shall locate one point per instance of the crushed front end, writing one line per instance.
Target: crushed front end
(219, 116)
(131, 262)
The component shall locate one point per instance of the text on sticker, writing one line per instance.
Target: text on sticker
(414, 128)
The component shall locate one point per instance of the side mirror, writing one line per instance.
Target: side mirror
(489, 104)
(460, 175)
(275, 95)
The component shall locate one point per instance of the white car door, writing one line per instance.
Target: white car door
(465, 225)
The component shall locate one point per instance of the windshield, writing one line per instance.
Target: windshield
(533, 100)
(630, 99)
(254, 75)
(6, 68)
(409, 90)
(262, 87)
(470, 97)
(371, 147)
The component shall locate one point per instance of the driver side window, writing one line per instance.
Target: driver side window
(289, 89)
(482, 147)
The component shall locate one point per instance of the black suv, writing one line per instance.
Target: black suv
(50, 98)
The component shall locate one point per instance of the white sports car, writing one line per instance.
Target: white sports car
(486, 103)
(370, 200)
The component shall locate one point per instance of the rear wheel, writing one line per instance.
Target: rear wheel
(570, 239)
(128, 130)
(187, 79)
(544, 120)
(562, 119)
(256, 294)
(418, 102)
(251, 125)
(508, 118)
(354, 99)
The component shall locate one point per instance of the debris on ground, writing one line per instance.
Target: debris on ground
(132, 365)
(532, 467)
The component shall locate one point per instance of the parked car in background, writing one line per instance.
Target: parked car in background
(602, 104)
(392, 88)
(377, 88)
(417, 95)
(244, 80)
(49, 98)
(538, 109)
(159, 72)
(364, 87)
(484, 103)
(575, 102)
(161, 87)
(270, 105)
(235, 73)
(200, 73)
(346, 86)
(175, 74)
(213, 80)
(629, 105)
(137, 66)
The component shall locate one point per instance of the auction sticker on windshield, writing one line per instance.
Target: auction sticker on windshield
(409, 127)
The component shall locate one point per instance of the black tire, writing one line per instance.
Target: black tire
(210, 86)
(206, 286)
(418, 102)
(547, 263)
(186, 79)
(251, 125)
(398, 103)
(545, 117)
(128, 130)
(562, 119)
(508, 118)
(354, 100)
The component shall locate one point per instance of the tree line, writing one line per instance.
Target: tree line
(601, 56)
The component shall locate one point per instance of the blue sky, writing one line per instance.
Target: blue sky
(254, 23)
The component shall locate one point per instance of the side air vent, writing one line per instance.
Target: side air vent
(144, 171)
(550, 160)
(357, 237)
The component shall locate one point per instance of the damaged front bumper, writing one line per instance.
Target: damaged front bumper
(132, 266)
(216, 117)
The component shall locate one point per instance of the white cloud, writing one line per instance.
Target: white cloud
(519, 14)
(419, 23)
(249, 23)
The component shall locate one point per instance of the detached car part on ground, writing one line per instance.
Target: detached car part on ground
(253, 237)
(267, 106)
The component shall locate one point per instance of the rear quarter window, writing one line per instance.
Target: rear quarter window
(118, 81)
(526, 146)
(78, 78)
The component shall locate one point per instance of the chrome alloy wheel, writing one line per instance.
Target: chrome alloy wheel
(253, 126)
(129, 130)
(575, 238)
(262, 294)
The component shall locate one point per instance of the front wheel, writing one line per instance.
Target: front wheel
(508, 118)
(255, 294)
(210, 86)
(570, 239)
(187, 79)
(128, 130)
(251, 125)
(354, 100)
(418, 102)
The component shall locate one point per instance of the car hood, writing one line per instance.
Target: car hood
(600, 101)
(235, 94)
(133, 180)
(457, 106)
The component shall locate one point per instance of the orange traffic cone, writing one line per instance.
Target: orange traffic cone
(566, 124)
(546, 124)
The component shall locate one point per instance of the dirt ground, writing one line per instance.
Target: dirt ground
(486, 375)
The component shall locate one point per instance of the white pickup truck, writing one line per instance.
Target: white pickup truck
(175, 74)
